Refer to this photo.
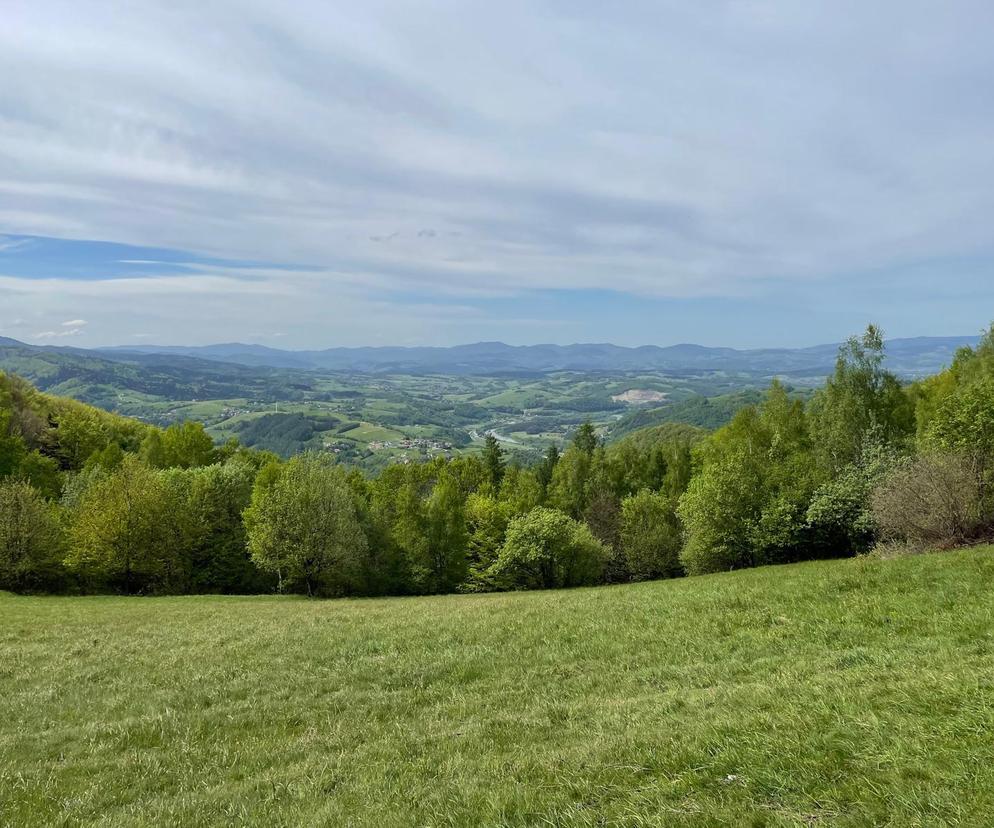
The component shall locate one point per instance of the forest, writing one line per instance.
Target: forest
(92, 501)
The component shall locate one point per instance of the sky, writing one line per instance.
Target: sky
(309, 174)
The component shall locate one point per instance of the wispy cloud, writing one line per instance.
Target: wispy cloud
(470, 151)
(11, 243)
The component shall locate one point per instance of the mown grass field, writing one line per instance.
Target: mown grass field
(855, 692)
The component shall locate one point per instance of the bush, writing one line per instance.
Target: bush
(546, 549)
(841, 513)
(931, 500)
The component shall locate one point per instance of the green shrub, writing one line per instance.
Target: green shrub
(546, 549)
(841, 511)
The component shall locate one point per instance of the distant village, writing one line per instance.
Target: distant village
(425, 443)
(419, 444)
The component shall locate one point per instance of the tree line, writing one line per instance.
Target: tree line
(91, 501)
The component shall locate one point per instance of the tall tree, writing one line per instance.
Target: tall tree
(190, 445)
(386, 570)
(602, 513)
(446, 536)
(585, 438)
(963, 424)
(520, 490)
(12, 448)
(747, 505)
(860, 402)
(486, 522)
(493, 462)
(545, 469)
(569, 490)
(215, 498)
(650, 536)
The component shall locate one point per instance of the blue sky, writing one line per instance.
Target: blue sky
(736, 172)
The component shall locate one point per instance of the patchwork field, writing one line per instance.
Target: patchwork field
(850, 692)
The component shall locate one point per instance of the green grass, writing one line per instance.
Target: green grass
(367, 432)
(853, 692)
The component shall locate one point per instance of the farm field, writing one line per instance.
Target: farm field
(850, 692)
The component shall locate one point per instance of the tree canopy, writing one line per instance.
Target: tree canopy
(91, 501)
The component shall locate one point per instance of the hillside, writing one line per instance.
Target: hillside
(850, 692)
(700, 411)
(110, 379)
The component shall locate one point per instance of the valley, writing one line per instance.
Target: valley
(375, 406)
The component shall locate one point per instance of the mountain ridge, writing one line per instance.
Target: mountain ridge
(911, 356)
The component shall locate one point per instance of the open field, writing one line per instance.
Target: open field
(849, 692)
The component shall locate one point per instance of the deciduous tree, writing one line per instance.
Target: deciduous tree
(303, 527)
(124, 531)
(861, 401)
(31, 542)
(650, 536)
(547, 549)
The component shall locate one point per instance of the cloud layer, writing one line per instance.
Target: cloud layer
(423, 161)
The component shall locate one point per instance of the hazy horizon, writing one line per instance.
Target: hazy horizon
(469, 344)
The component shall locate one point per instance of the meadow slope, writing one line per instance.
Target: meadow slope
(848, 692)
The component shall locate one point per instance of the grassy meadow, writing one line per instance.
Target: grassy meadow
(856, 692)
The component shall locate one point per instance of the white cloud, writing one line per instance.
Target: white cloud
(55, 334)
(478, 150)
(74, 323)
(209, 308)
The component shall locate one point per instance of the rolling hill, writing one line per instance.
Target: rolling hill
(907, 357)
(42, 364)
(99, 377)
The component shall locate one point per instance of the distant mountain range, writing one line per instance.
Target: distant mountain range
(907, 357)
